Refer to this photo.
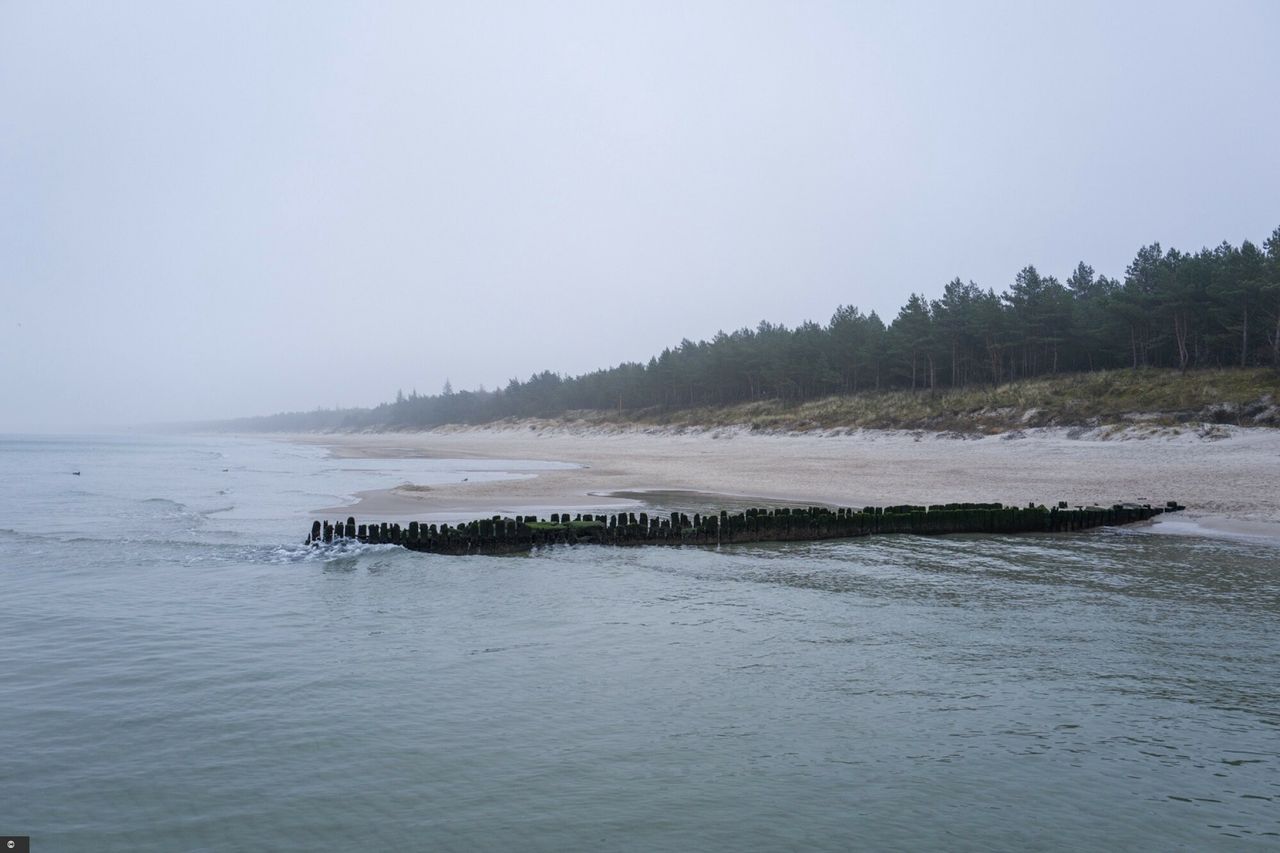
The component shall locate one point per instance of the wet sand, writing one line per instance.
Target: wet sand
(1229, 483)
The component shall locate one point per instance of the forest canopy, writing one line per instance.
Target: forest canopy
(1217, 307)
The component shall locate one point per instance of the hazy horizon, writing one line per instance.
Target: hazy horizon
(222, 210)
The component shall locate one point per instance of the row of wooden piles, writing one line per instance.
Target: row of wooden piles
(500, 535)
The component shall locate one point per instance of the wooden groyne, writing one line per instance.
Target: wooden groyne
(501, 535)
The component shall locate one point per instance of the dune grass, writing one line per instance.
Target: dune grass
(1245, 396)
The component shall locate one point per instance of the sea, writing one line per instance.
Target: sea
(179, 672)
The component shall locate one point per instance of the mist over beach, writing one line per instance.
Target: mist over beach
(653, 426)
(221, 211)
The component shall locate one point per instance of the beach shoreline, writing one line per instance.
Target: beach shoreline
(1226, 477)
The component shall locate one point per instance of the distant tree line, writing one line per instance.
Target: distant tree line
(1214, 308)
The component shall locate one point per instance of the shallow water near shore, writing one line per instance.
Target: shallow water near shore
(180, 673)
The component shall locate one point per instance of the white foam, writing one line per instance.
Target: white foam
(319, 551)
(1216, 527)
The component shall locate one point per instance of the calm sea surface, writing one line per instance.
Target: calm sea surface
(178, 673)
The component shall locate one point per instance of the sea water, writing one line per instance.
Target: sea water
(177, 672)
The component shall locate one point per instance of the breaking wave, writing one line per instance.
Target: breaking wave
(318, 552)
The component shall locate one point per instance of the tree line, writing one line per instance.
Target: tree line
(1212, 308)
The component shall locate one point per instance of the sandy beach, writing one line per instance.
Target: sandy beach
(1226, 476)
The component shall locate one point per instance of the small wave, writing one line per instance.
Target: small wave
(318, 552)
(68, 539)
(147, 541)
(169, 511)
(1209, 527)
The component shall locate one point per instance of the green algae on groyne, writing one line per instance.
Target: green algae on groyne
(502, 535)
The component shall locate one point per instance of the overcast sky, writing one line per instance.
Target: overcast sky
(222, 209)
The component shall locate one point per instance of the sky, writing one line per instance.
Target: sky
(224, 209)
